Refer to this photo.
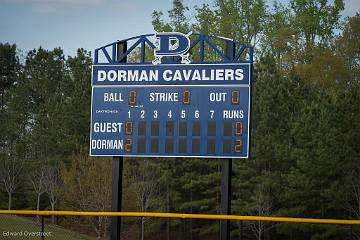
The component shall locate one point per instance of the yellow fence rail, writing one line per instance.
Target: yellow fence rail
(184, 216)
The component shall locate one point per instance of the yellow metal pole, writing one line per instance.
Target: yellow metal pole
(184, 216)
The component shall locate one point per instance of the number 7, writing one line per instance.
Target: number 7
(212, 113)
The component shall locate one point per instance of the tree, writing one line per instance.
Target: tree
(10, 133)
(178, 20)
(37, 179)
(347, 46)
(279, 37)
(315, 20)
(261, 205)
(205, 19)
(52, 186)
(143, 178)
(76, 102)
(10, 170)
(9, 66)
(87, 187)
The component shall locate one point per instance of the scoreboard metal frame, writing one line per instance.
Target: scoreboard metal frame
(198, 129)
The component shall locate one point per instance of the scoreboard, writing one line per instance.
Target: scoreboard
(171, 110)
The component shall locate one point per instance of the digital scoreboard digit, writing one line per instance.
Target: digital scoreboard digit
(177, 110)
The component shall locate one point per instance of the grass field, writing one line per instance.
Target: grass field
(13, 227)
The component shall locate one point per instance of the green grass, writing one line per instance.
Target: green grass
(23, 227)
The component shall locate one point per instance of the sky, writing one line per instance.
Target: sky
(90, 24)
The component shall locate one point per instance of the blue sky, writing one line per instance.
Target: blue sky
(86, 23)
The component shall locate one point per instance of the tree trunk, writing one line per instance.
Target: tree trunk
(99, 227)
(142, 228)
(105, 227)
(10, 199)
(38, 207)
(260, 230)
(52, 216)
(2, 99)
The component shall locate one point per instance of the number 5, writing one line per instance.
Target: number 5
(182, 113)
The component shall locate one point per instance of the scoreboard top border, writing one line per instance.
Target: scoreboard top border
(226, 50)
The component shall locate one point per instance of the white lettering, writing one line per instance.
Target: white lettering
(167, 75)
(101, 75)
(233, 114)
(107, 127)
(239, 75)
(217, 97)
(164, 97)
(107, 144)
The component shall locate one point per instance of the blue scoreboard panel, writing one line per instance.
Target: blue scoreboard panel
(177, 118)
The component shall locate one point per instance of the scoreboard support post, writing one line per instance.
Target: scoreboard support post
(117, 170)
(117, 175)
(225, 208)
(226, 172)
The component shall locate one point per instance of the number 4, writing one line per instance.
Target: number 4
(169, 114)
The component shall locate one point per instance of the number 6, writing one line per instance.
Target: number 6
(197, 114)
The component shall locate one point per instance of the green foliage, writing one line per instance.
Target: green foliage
(305, 126)
(315, 20)
(178, 20)
(305, 118)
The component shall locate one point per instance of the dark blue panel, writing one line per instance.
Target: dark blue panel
(207, 123)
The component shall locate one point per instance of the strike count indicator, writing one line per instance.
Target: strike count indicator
(207, 119)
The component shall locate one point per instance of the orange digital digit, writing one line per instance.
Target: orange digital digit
(128, 128)
(132, 97)
(238, 146)
(186, 97)
(128, 145)
(235, 97)
(238, 128)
